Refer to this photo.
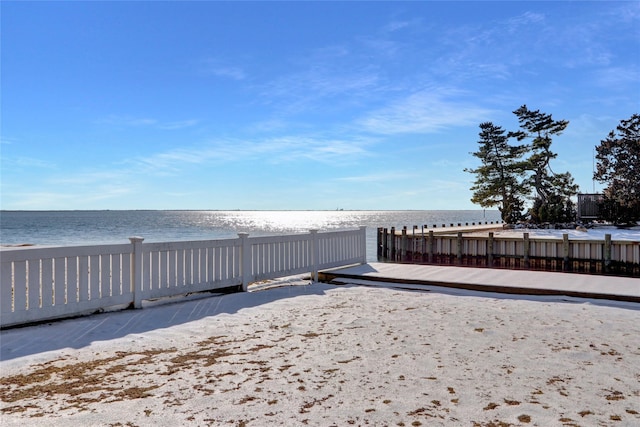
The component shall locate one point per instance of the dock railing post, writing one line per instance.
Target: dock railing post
(403, 245)
(136, 270)
(607, 253)
(526, 250)
(490, 250)
(430, 247)
(423, 241)
(385, 244)
(565, 252)
(245, 260)
(392, 245)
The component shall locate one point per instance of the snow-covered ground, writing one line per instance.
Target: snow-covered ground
(324, 355)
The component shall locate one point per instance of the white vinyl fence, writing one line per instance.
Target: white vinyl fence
(47, 283)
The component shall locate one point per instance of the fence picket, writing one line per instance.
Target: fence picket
(47, 282)
(73, 287)
(180, 260)
(60, 282)
(202, 270)
(33, 285)
(20, 286)
(94, 277)
(6, 292)
(116, 275)
(125, 273)
(105, 275)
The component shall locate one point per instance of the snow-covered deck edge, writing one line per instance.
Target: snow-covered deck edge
(492, 280)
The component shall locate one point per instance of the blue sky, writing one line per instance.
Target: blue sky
(296, 105)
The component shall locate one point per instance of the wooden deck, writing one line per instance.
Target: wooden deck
(487, 246)
(489, 280)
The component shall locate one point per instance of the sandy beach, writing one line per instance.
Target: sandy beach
(331, 355)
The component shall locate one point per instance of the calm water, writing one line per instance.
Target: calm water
(70, 228)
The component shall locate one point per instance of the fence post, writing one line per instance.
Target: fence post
(565, 252)
(385, 244)
(403, 245)
(245, 260)
(315, 254)
(136, 270)
(490, 250)
(392, 248)
(379, 237)
(459, 248)
(526, 250)
(607, 253)
(430, 247)
(414, 243)
(363, 243)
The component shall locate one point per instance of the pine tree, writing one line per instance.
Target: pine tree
(618, 165)
(553, 192)
(498, 178)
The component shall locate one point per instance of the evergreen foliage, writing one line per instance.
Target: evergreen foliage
(553, 191)
(618, 166)
(505, 180)
(498, 177)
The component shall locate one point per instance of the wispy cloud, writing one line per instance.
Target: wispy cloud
(390, 176)
(130, 121)
(99, 185)
(524, 43)
(219, 68)
(395, 26)
(230, 72)
(222, 151)
(617, 77)
(178, 125)
(319, 149)
(27, 162)
(526, 20)
(328, 77)
(42, 200)
(127, 121)
(92, 178)
(302, 91)
(5, 140)
(173, 161)
(628, 12)
(68, 197)
(426, 111)
(492, 50)
(277, 150)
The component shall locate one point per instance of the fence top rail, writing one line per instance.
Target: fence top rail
(279, 239)
(189, 244)
(40, 252)
(23, 253)
(302, 237)
(343, 232)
